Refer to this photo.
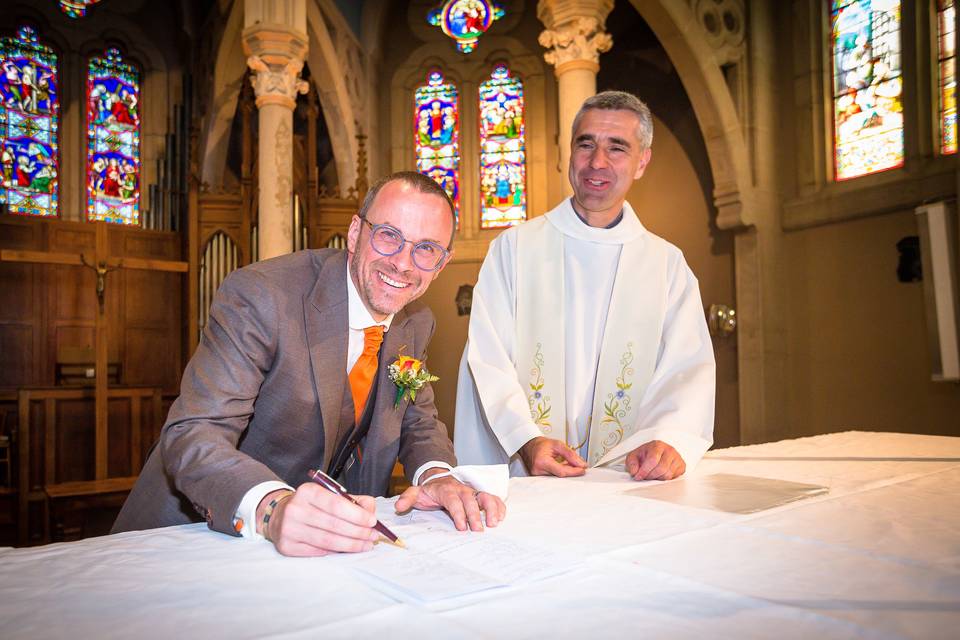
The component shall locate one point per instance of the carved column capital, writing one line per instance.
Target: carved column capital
(276, 85)
(576, 44)
(275, 55)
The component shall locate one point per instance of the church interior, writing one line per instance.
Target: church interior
(804, 161)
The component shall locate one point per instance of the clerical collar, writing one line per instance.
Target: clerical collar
(358, 316)
(626, 228)
(615, 222)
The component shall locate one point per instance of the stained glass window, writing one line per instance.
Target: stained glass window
(503, 193)
(29, 116)
(465, 20)
(437, 133)
(113, 140)
(76, 8)
(867, 87)
(947, 58)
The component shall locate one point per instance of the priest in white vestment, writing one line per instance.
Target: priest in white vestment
(587, 343)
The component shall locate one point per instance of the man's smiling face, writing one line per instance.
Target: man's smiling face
(605, 159)
(386, 284)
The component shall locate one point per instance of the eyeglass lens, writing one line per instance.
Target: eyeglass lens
(389, 241)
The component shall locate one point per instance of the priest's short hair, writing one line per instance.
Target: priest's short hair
(621, 101)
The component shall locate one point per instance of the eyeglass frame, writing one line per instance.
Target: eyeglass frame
(445, 253)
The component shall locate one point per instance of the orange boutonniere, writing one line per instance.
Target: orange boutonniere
(409, 375)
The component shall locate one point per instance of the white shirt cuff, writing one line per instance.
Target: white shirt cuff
(247, 511)
(489, 478)
(429, 465)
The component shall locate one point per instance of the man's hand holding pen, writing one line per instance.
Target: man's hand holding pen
(315, 522)
(317, 519)
(462, 502)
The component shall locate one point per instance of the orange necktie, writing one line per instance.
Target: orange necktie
(363, 371)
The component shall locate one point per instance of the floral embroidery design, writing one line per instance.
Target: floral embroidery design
(539, 403)
(618, 403)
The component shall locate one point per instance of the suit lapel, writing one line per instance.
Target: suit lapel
(398, 340)
(326, 319)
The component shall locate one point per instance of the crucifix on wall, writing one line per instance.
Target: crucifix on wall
(102, 263)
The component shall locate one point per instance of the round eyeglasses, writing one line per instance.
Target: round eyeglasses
(388, 241)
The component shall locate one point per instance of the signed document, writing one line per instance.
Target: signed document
(441, 562)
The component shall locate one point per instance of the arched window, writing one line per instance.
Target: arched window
(867, 87)
(436, 127)
(29, 119)
(113, 140)
(947, 58)
(503, 192)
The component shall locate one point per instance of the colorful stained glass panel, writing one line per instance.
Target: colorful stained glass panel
(867, 87)
(503, 191)
(465, 20)
(113, 140)
(29, 118)
(76, 8)
(436, 126)
(947, 56)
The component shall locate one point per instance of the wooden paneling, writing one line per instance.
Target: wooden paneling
(73, 241)
(118, 433)
(48, 309)
(147, 301)
(17, 287)
(72, 457)
(146, 363)
(146, 244)
(74, 292)
(16, 354)
(72, 339)
(20, 233)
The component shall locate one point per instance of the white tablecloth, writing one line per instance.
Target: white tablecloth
(876, 557)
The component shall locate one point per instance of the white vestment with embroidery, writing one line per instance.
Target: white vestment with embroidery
(592, 336)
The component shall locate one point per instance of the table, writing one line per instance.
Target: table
(876, 557)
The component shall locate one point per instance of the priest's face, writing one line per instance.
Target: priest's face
(605, 158)
(388, 283)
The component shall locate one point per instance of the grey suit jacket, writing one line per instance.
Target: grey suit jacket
(265, 397)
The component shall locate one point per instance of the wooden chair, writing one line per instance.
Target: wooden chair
(39, 483)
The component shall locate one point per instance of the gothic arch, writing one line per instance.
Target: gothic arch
(681, 35)
(229, 68)
(338, 110)
(230, 65)
(742, 188)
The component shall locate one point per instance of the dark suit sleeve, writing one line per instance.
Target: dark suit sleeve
(423, 438)
(199, 442)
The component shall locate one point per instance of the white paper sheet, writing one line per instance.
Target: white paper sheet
(441, 562)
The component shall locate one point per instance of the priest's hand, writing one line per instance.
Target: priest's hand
(550, 457)
(315, 522)
(655, 460)
(462, 502)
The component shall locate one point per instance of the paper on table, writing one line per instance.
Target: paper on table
(441, 562)
(729, 492)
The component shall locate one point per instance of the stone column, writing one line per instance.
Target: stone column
(276, 52)
(575, 38)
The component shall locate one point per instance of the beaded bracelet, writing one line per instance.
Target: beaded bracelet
(268, 512)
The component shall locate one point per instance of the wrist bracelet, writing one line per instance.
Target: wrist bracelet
(268, 512)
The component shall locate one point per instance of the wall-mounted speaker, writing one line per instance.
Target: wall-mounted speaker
(939, 242)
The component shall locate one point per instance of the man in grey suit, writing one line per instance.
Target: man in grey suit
(266, 396)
